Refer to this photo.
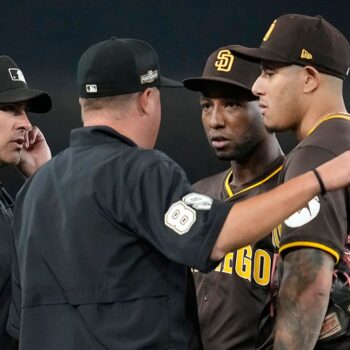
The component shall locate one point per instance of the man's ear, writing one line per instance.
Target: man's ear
(312, 80)
(144, 100)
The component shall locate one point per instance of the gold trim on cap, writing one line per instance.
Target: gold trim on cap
(268, 33)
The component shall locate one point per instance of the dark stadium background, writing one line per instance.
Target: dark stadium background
(46, 39)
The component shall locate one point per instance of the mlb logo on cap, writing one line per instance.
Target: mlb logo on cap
(17, 75)
(91, 88)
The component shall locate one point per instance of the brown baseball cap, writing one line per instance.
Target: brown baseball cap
(305, 41)
(224, 68)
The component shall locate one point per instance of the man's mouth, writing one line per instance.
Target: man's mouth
(219, 142)
(263, 107)
(19, 142)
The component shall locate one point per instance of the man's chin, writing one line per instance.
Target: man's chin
(274, 128)
(224, 156)
(14, 161)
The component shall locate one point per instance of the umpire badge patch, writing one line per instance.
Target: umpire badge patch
(304, 215)
(17, 75)
(182, 214)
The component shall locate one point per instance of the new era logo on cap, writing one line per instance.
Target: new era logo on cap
(17, 75)
(306, 54)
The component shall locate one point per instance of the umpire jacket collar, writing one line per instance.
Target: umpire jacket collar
(94, 135)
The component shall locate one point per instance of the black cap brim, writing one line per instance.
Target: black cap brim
(38, 101)
(258, 54)
(166, 82)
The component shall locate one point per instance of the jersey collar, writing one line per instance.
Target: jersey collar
(329, 117)
(256, 183)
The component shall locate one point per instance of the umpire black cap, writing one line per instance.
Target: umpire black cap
(305, 41)
(14, 88)
(119, 66)
(223, 68)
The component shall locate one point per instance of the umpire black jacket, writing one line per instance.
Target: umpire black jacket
(98, 266)
(6, 243)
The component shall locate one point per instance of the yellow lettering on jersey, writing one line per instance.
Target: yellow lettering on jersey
(276, 236)
(268, 33)
(219, 267)
(224, 60)
(244, 262)
(246, 266)
(262, 267)
(228, 262)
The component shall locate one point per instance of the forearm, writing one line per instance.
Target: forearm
(303, 298)
(252, 219)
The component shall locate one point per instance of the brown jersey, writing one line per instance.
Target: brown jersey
(324, 223)
(231, 297)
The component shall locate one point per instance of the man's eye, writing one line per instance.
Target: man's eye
(7, 108)
(232, 104)
(205, 106)
(268, 73)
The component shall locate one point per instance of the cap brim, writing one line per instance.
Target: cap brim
(200, 83)
(38, 101)
(258, 54)
(206, 85)
(166, 82)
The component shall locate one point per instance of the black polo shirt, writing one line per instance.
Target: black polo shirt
(104, 234)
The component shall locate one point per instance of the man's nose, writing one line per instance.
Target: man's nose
(216, 119)
(23, 121)
(257, 88)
